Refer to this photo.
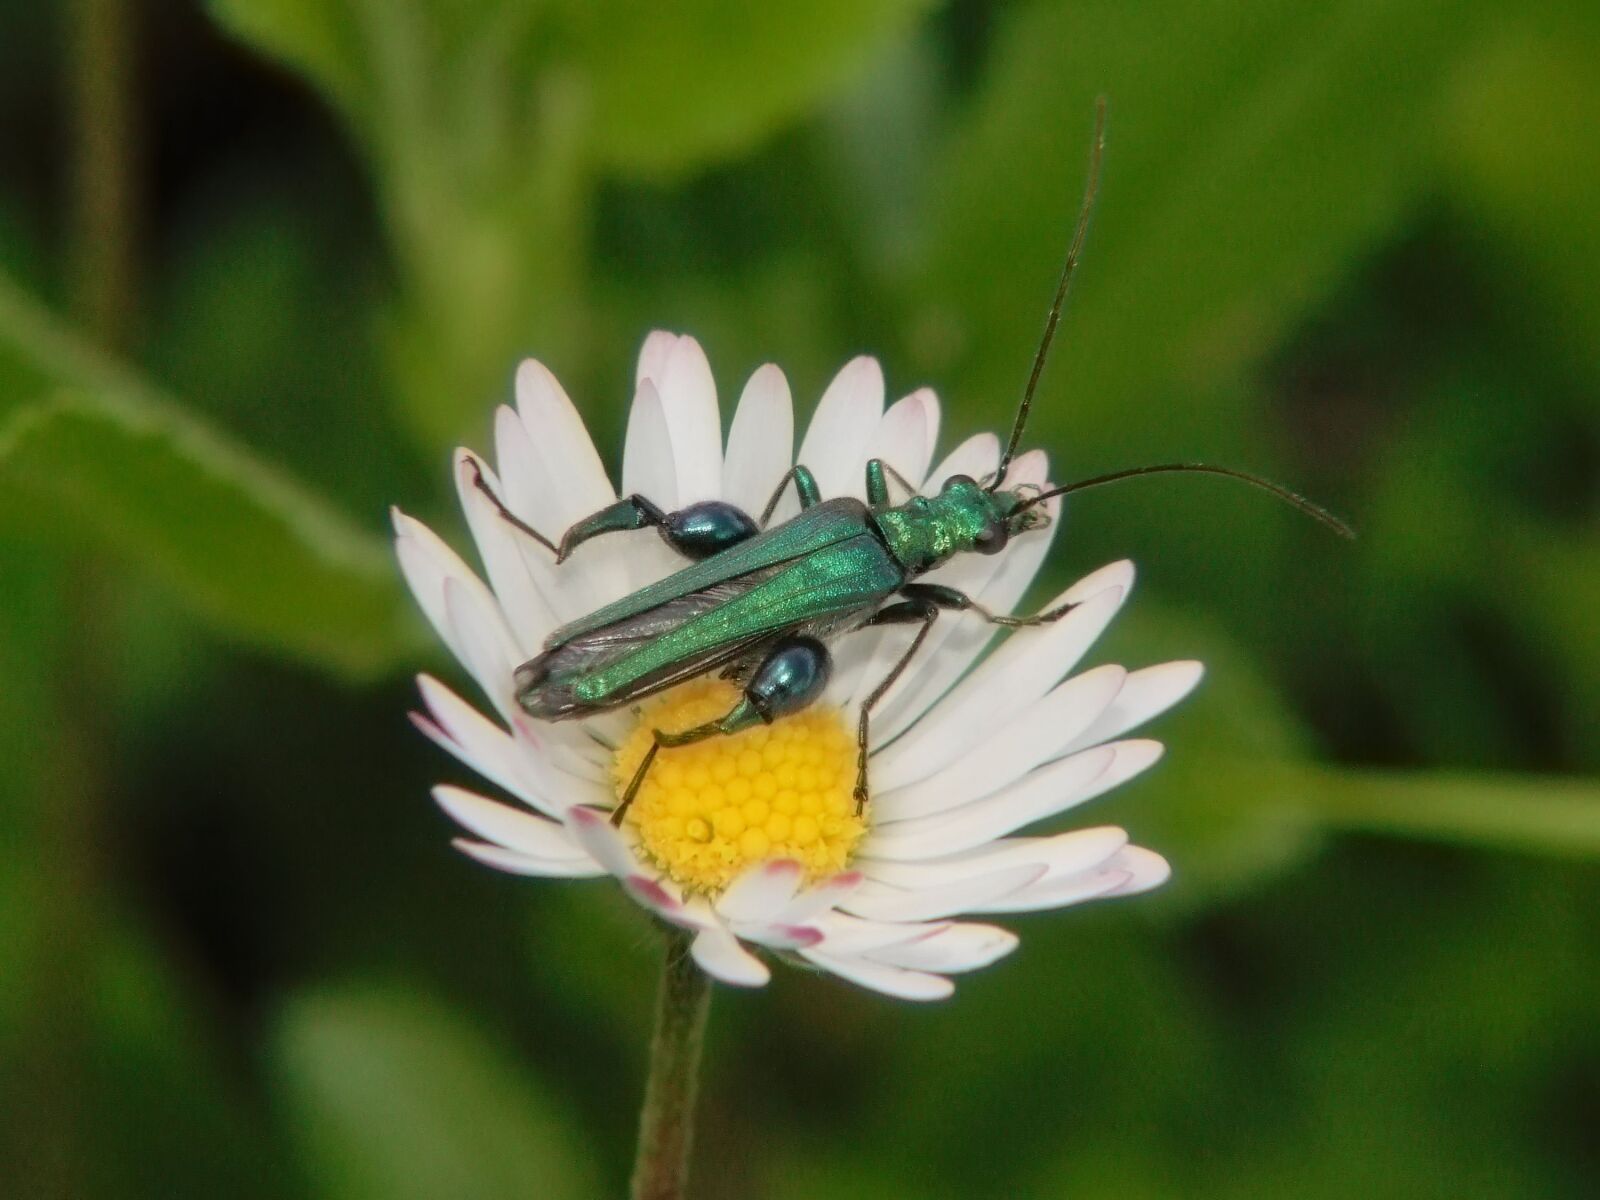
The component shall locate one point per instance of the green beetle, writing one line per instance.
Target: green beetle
(760, 604)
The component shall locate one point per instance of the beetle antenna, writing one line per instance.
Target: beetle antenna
(1091, 188)
(1315, 511)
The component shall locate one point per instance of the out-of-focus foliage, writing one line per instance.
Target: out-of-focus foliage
(1352, 245)
(244, 544)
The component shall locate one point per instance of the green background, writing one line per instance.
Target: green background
(262, 262)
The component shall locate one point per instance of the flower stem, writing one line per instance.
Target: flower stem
(666, 1122)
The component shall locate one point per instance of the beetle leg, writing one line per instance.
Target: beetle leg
(957, 601)
(916, 608)
(511, 518)
(695, 531)
(788, 677)
(879, 472)
(805, 487)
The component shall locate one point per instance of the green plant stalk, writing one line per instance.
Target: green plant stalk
(666, 1121)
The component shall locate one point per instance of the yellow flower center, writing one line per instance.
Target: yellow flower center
(709, 809)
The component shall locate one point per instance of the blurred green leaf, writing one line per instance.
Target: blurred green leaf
(393, 1097)
(678, 85)
(488, 124)
(1533, 187)
(318, 37)
(477, 149)
(238, 541)
(113, 1072)
(1254, 152)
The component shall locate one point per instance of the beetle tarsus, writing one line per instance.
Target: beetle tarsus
(636, 782)
(914, 609)
(805, 487)
(511, 518)
(958, 601)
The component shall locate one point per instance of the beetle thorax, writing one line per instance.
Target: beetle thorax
(927, 530)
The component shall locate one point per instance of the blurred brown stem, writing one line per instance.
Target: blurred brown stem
(666, 1122)
(103, 147)
(58, 1064)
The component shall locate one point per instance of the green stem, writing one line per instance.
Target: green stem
(1550, 816)
(666, 1122)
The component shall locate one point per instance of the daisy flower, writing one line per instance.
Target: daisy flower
(753, 842)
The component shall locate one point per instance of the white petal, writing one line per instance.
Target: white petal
(649, 470)
(1033, 736)
(510, 572)
(1062, 854)
(820, 898)
(903, 440)
(486, 646)
(762, 891)
(527, 489)
(1146, 694)
(835, 445)
(592, 830)
(507, 826)
(974, 457)
(957, 948)
(878, 902)
(1146, 869)
(1024, 667)
(1063, 891)
(513, 863)
(880, 977)
(761, 441)
(575, 483)
(850, 937)
(426, 562)
(1048, 790)
(571, 748)
(778, 937)
(689, 400)
(722, 957)
(531, 776)
(566, 452)
(648, 467)
(652, 894)
(653, 354)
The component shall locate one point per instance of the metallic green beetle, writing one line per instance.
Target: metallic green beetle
(760, 604)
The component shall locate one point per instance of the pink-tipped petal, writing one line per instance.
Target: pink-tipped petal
(760, 441)
(513, 863)
(591, 829)
(898, 982)
(722, 957)
(658, 344)
(689, 401)
(835, 445)
(523, 832)
(762, 891)
(955, 949)
(881, 902)
(821, 898)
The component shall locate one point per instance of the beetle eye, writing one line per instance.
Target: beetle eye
(992, 538)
